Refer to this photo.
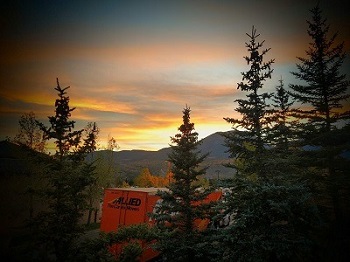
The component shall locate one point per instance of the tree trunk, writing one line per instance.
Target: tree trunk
(89, 216)
(95, 215)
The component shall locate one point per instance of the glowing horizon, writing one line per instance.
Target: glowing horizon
(133, 67)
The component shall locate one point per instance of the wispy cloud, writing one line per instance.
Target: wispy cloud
(133, 67)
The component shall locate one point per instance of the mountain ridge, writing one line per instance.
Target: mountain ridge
(130, 162)
(215, 140)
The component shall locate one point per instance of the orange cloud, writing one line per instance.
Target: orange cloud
(152, 55)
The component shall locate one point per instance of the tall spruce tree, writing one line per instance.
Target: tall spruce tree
(182, 204)
(326, 90)
(61, 129)
(248, 139)
(281, 132)
(59, 226)
(271, 213)
(94, 191)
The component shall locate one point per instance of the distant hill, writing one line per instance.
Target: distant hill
(13, 158)
(131, 162)
(214, 144)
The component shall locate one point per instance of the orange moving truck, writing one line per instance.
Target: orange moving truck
(129, 206)
(125, 207)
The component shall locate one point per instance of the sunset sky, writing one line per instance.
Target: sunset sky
(134, 65)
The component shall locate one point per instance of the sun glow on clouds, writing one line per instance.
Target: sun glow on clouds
(105, 106)
(158, 135)
(133, 67)
(151, 123)
(131, 137)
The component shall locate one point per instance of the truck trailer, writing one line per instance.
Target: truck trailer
(130, 206)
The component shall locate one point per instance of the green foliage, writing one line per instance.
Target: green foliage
(68, 178)
(325, 89)
(181, 205)
(272, 218)
(131, 252)
(58, 227)
(106, 167)
(283, 129)
(94, 190)
(270, 206)
(251, 128)
(144, 179)
(134, 238)
(106, 170)
(61, 129)
(94, 250)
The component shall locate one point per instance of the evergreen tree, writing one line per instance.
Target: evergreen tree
(94, 191)
(271, 212)
(59, 226)
(249, 137)
(182, 205)
(281, 133)
(325, 89)
(326, 92)
(91, 136)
